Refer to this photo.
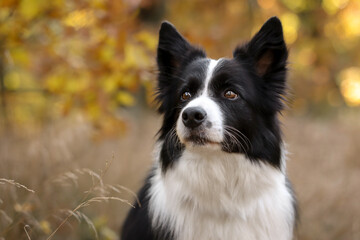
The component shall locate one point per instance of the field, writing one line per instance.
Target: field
(64, 161)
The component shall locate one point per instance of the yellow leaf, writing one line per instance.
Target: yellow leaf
(20, 56)
(97, 35)
(30, 9)
(129, 81)
(125, 98)
(12, 80)
(98, 4)
(150, 40)
(4, 12)
(110, 83)
(76, 84)
(135, 56)
(295, 5)
(107, 53)
(80, 18)
(55, 83)
(93, 111)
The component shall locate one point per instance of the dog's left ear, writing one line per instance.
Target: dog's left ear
(267, 48)
(267, 54)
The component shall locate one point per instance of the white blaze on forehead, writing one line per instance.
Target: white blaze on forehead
(214, 116)
(211, 67)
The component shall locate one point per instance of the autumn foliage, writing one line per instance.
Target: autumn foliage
(61, 56)
(97, 57)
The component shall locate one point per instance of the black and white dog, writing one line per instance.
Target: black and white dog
(219, 170)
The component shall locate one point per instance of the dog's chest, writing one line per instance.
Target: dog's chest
(207, 196)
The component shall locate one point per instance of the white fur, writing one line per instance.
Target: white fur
(209, 194)
(212, 64)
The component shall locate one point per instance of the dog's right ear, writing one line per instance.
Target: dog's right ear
(173, 49)
(173, 52)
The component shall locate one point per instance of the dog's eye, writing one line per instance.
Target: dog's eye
(230, 95)
(186, 96)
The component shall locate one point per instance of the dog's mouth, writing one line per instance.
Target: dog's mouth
(200, 140)
(209, 136)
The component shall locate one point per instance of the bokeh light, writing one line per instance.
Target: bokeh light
(333, 6)
(350, 85)
(291, 25)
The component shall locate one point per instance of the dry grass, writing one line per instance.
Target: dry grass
(325, 170)
(59, 184)
(62, 165)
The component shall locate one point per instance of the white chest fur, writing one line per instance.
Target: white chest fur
(212, 195)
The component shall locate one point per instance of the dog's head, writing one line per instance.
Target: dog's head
(227, 104)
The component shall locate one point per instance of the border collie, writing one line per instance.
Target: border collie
(219, 170)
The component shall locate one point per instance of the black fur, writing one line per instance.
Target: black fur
(137, 225)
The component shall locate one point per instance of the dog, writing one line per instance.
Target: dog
(219, 170)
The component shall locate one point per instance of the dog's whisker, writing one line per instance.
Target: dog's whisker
(232, 133)
(236, 141)
(241, 135)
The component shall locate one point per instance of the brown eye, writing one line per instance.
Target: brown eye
(230, 95)
(186, 96)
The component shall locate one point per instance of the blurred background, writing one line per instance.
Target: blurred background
(78, 121)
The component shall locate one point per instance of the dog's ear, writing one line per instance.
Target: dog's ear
(173, 49)
(173, 53)
(267, 48)
(268, 54)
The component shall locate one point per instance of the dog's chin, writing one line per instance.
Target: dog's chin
(201, 142)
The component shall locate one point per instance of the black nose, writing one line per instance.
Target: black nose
(192, 117)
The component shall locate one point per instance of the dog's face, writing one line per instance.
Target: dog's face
(228, 105)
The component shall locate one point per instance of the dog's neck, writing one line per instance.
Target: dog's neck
(219, 186)
(209, 178)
